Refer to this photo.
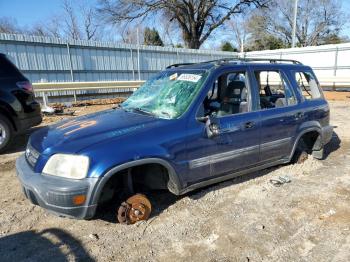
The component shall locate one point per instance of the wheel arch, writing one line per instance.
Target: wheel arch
(173, 185)
(304, 132)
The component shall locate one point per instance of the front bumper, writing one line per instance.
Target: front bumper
(56, 194)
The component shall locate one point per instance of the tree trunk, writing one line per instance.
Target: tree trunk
(191, 41)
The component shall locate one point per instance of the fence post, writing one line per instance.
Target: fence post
(138, 53)
(132, 64)
(71, 70)
(335, 66)
(45, 99)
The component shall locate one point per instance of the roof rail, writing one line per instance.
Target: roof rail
(204, 62)
(237, 59)
(271, 60)
(177, 65)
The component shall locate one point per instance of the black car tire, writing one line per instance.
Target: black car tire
(9, 132)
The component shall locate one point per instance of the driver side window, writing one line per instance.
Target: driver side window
(229, 95)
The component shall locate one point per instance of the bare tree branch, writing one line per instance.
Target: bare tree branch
(197, 19)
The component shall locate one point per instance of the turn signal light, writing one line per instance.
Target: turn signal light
(79, 200)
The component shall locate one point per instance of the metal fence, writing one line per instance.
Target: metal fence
(45, 59)
(327, 60)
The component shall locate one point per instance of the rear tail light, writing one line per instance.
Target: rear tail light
(25, 85)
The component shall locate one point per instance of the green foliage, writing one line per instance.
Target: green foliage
(151, 37)
(179, 46)
(227, 46)
(333, 38)
(266, 42)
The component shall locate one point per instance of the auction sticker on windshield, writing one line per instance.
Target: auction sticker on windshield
(189, 77)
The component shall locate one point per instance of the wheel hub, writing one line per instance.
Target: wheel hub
(134, 209)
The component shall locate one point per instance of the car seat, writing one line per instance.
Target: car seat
(235, 99)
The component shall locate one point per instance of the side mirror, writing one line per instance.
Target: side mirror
(212, 127)
(202, 119)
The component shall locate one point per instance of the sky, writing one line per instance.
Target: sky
(31, 12)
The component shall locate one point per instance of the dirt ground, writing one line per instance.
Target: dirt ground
(245, 219)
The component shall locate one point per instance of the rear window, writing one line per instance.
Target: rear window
(308, 85)
(7, 69)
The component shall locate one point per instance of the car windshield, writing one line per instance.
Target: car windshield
(167, 95)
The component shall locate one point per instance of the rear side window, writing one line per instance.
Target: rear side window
(7, 69)
(308, 85)
(274, 90)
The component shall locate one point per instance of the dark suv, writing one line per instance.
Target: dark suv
(18, 109)
(190, 126)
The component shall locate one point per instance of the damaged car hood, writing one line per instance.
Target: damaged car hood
(74, 135)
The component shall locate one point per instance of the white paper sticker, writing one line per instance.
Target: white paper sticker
(189, 77)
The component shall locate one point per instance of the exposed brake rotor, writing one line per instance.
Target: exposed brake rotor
(135, 208)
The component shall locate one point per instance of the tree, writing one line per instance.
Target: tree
(239, 28)
(132, 35)
(317, 20)
(151, 37)
(227, 46)
(79, 21)
(90, 22)
(265, 42)
(71, 28)
(197, 19)
(178, 45)
(9, 26)
(76, 24)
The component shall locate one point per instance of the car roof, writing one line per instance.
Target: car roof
(233, 62)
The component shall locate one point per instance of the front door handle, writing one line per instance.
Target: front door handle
(249, 124)
(298, 115)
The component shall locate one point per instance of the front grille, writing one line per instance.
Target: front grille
(31, 155)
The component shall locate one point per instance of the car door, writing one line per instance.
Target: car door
(233, 146)
(279, 113)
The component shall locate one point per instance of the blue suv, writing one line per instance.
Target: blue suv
(190, 126)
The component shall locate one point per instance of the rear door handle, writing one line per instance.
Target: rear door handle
(249, 124)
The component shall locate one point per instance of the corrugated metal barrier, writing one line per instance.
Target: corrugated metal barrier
(46, 59)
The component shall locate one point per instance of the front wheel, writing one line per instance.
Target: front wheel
(6, 133)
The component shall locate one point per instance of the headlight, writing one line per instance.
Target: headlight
(69, 166)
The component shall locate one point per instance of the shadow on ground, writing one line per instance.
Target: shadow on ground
(333, 145)
(39, 246)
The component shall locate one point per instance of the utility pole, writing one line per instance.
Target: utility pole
(294, 22)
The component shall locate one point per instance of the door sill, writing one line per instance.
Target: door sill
(232, 175)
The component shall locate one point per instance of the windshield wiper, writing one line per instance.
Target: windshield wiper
(166, 113)
(140, 110)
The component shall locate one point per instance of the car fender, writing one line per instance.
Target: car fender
(304, 128)
(174, 184)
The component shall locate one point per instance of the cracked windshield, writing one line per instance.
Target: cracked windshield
(168, 95)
